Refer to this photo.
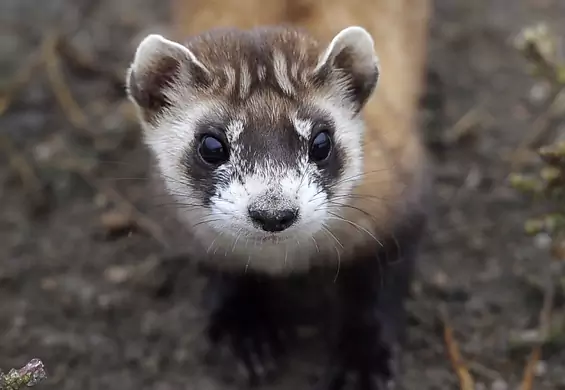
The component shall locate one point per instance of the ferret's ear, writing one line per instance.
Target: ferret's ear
(351, 58)
(160, 69)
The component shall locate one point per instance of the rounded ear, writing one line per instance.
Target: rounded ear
(351, 59)
(160, 65)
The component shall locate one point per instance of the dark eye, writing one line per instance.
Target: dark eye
(321, 147)
(212, 150)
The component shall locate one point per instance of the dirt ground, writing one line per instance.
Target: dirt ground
(96, 305)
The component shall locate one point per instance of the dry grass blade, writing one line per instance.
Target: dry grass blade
(19, 80)
(19, 163)
(540, 127)
(60, 88)
(83, 61)
(528, 378)
(140, 220)
(465, 379)
(30, 180)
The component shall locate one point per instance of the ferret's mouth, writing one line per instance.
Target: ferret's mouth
(274, 238)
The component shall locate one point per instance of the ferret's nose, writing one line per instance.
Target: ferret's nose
(273, 220)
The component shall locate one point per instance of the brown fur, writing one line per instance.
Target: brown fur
(394, 156)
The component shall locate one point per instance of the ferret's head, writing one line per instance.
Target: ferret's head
(257, 132)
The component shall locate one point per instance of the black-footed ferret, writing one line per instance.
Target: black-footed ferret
(262, 133)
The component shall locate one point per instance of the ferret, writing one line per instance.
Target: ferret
(261, 135)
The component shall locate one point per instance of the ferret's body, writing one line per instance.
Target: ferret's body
(287, 159)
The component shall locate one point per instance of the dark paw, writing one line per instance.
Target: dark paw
(253, 329)
(361, 361)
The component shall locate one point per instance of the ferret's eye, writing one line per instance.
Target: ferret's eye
(321, 147)
(212, 150)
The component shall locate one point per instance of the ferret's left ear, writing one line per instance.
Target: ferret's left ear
(351, 61)
(161, 69)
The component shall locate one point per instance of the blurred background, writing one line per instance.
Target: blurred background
(87, 253)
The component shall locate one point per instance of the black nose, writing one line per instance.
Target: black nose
(273, 221)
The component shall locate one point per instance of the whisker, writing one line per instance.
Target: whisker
(236, 239)
(123, 178)
(206, 221)
(343, 181)
(213, 241)
(360, 196)
(352, 207)
(306, 171)
(359, 175)
(337, 251)
(361, 228)
(315, 243)
(331, 234)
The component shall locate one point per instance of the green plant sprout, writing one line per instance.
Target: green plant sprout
(545, 58)
(29, 375)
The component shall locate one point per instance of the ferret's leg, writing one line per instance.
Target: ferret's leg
(371, 315)
(246, 315)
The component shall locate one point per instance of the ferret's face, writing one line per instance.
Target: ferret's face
(268, 168)
(257, 132)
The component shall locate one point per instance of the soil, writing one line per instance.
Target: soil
(88, 291)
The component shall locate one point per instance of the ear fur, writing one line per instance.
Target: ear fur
(351, 55)
(160, 64)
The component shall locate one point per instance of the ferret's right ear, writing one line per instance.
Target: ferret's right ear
(351, 57)
(160, 69)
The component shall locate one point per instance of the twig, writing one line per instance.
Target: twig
(21, 78)
(84, 62)
(540, 48)
(29, 178)
(141, 220)
(27, 174)
(465, 125)
(540, 127)
(29, 375)
(528, 378)
(62, 92)
(547, 307)
(465, 379)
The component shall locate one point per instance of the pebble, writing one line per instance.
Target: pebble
(116, 221)
(117, 274)
(540, 92)
(499, 384)
(541, 368)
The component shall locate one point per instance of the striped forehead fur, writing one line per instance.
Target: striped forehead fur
(242, 61)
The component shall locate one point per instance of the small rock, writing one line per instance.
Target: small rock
(542, 241)
(101, 200)
(540, 92)
(440, 279)
(499, 384)
(48, 284)
(480, 386)
(117, 222)
(541, 368)
(118, 274)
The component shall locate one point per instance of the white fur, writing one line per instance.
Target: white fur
(155, 46)
(234, 130)
(291, 191)
(358, 39)
(302, 127)
(281, 75)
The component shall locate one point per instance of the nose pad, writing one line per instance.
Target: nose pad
(274, 220)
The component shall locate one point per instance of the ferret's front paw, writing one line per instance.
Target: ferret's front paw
(252, 328)
(361, 361)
